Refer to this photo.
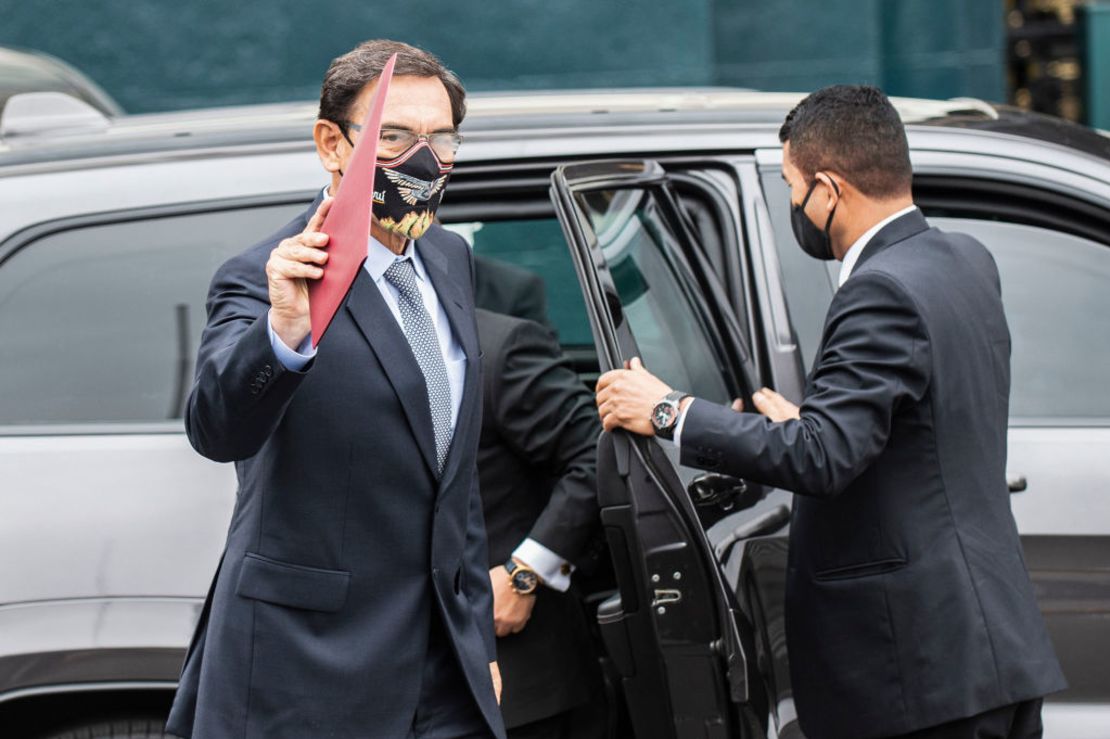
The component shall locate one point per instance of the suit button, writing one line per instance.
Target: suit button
(268, 370)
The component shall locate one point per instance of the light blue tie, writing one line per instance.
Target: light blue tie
(425, 347)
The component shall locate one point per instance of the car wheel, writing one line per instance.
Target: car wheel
(127, 728)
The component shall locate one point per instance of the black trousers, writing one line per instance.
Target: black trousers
(1017, 721)
(447, 709)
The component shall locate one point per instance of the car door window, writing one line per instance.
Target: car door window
(100, 323)
(1056, 293)
(658, 296)
(650, 293)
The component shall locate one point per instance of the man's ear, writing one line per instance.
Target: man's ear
(835, 188)
(329, 140)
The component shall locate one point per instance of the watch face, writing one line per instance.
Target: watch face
(663, 415)
(524, 581)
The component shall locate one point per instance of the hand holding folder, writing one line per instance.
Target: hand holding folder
(347, 222)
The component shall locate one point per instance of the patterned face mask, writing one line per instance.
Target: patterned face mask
(408, 190)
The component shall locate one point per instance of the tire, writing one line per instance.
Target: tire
(134, 728)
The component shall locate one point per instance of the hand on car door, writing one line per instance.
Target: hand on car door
(770, 404)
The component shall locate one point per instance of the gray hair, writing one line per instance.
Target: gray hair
(349, 74)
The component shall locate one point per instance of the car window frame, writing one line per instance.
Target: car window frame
(28, 236)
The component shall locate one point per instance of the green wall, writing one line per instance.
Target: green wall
(158, 55)
(1097, 48)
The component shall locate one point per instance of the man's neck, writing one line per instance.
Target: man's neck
(875, 211)
(394, 242)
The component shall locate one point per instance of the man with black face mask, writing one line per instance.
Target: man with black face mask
(909, 611)
(353, 598)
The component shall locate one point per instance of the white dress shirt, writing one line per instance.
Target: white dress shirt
(846, 266)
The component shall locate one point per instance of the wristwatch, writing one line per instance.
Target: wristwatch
(664, 416)
(523, 578)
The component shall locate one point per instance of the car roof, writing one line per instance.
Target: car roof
(521, 114)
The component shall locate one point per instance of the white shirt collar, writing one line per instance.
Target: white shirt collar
(854, 251)
(379, 258)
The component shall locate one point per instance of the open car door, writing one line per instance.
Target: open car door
(674, 631)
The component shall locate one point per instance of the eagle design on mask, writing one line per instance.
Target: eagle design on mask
(413, 190)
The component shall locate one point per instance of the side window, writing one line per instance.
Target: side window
(100, 323)
(661, 304)
(808, 283)
(522, 268)
(1056, 292)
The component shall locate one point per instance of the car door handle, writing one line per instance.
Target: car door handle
(1016, 483)
(711, 488)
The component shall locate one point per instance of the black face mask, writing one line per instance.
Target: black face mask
(408, 190)
(813, 240)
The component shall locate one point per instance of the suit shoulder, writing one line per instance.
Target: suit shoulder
(924, 262)
(876, 284)
(493, 328)
(501, 330)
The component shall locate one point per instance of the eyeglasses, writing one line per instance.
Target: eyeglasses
(394, 142)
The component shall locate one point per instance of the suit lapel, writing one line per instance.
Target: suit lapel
(453, 301)
(376, 322)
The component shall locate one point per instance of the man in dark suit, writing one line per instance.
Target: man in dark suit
(353, 597)
(537, 463)
(909, 610)
(509, 290)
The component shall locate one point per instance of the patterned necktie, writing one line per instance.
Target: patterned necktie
(425, 347)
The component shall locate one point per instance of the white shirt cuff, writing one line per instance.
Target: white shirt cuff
(294, 360)
(681, 422)
(552, 569)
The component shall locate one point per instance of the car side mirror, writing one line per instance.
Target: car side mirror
(726, 491)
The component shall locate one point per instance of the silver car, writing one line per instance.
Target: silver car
(658, 221)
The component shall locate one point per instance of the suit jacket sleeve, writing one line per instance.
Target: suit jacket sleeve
(241, 388)
(875, 357)
(545, 415)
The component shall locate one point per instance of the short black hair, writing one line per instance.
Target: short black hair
(852, 130)
(349, 74)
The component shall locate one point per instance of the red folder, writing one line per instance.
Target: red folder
(347, 223)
